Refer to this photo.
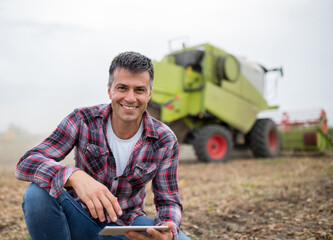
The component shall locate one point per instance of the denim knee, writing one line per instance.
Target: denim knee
(36, 199)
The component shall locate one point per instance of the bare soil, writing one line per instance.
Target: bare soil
(284, 198)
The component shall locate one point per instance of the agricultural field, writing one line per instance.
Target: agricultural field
(290, 197)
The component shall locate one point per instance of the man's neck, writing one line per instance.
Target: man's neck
(124, 130)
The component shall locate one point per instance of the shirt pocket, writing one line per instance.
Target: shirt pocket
(143, 173)
(96, 158)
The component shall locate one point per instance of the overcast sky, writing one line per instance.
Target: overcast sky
(54, 55)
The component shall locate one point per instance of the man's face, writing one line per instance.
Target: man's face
(129, 94)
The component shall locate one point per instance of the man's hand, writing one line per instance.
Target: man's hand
(154, 234)
(95, 195)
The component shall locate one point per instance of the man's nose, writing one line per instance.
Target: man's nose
(130, 96)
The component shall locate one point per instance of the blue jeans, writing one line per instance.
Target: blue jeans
(64, 218)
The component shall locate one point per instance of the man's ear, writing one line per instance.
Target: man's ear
(151, 90)
(109, 90)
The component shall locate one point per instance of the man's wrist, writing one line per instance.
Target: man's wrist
(72, 178)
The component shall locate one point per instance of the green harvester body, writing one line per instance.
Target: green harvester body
(211, 99)
(184, 93)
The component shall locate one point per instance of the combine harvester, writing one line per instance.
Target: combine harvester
(211, 99)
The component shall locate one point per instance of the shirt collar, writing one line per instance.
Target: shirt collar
(149, 127)
(104, 111)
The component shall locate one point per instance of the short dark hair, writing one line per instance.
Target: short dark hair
(133, 62)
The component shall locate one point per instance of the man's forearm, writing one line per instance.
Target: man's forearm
(46, 173)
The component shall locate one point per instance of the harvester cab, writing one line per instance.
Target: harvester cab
(211, 99)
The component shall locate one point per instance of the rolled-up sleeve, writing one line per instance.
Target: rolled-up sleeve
(41, 164)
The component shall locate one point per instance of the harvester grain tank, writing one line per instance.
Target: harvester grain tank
(211, 99)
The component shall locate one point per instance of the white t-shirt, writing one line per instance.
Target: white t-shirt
(122, 148)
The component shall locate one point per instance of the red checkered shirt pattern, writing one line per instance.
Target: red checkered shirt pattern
(155, 157)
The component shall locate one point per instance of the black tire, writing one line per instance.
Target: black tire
(213, 143)
(264, 139)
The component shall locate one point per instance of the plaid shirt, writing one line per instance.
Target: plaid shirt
(155, 157)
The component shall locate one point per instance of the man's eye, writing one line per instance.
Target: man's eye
(140, 90)
(121, 88)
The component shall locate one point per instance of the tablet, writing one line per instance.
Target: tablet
(121, 230)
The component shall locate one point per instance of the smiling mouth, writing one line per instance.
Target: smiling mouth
(128, 107)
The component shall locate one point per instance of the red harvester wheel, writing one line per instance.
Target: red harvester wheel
(213, 143)
(264, 139)
(272, 140)
(217, 146)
